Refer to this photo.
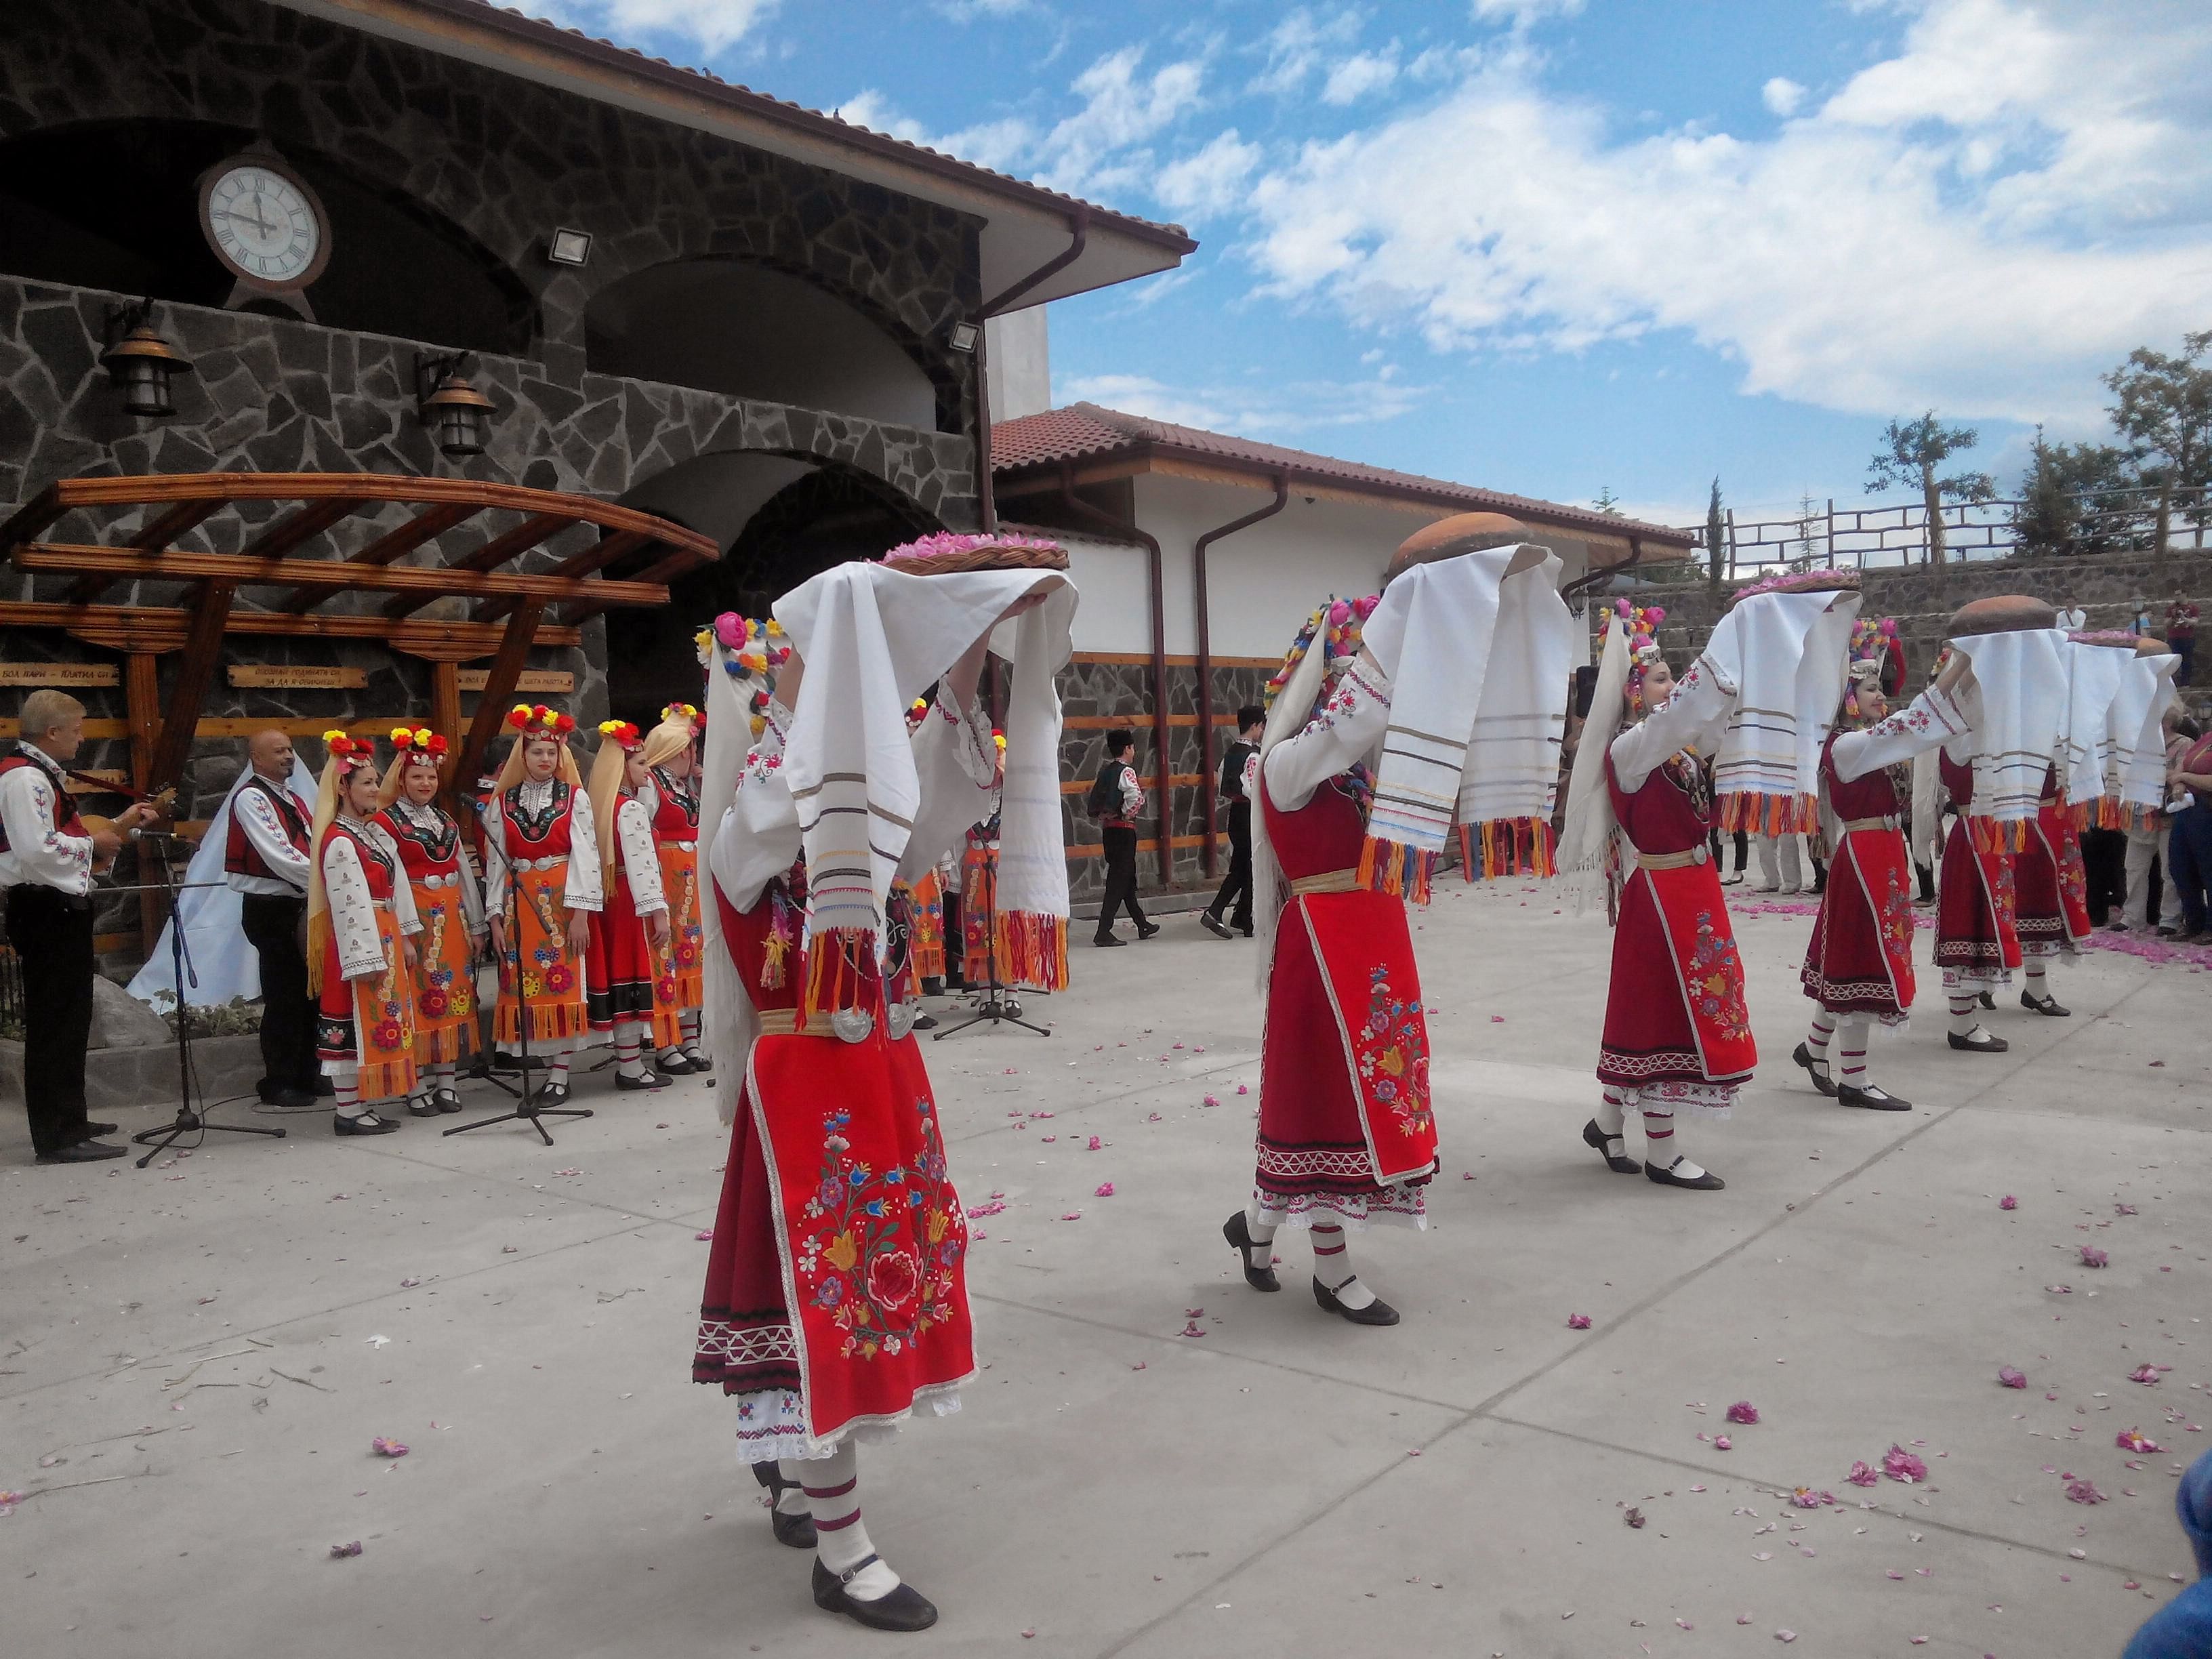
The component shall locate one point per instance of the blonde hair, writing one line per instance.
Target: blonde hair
(329, 790)
(44, 710)
(609, 771)
(510, 772)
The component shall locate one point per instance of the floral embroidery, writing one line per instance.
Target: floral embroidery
(1714, 981)
(1392, 1048)
(880, 1251)
(2008, 898)
(1894, 915)
(2072, 879)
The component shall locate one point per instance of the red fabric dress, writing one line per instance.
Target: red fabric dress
(1976, 944)
(1676, 1029)
(836, 1294)
(429, 843)
(618, 968)
(368, 1023)
(678, 977)
(1859, 961)
(1345, 1124)
(2051, 889)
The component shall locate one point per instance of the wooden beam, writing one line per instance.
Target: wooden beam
(142, 702)
(303, 525)
(663, 569)
(497, 551)
(195, 673)
(140, 628)
(387, 548)
(499, 685)
(164, 528)
(419, 584)
(595, 557)
(446, 699)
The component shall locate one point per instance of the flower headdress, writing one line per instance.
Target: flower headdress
(1641, 625)
(624, 733)
(608, 784)
(348, 755)
(537, 720)
(411, 745)
(916, 712)
(1337, 625)
(680, 711)
(1877, 660)
(750, 652)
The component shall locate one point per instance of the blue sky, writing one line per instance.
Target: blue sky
(1552, 245)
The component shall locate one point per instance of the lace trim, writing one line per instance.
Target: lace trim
(1651, 1064)
(1386, 1207)
(1976, 977)
(1714, 1100)
(746, 1345)
(1304, 1162)
(772, 1423)
(1841, 994)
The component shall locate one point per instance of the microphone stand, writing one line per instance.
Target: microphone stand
(526, 1109)
(994, 1008)
(182, 972)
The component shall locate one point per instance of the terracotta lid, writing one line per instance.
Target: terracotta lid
(1801, 581)
(1447, 538)
(2002, 613)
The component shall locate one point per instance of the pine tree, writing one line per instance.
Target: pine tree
(1715, 538)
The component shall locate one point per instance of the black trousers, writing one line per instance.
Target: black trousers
(51, 932)
(1121, 880)
(1236, 886)
(288, 1017)
(956, 944)
(2104, 867)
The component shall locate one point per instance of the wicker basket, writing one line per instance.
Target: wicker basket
(946, 555)
(1801, 581)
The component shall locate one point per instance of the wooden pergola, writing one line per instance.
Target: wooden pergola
(278, 584)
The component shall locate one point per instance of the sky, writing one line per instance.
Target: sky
(1562, 246)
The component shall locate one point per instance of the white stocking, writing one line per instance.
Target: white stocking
(833, 1494)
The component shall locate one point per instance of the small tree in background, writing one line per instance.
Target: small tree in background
(2064, 493)
(1912, 451)
(1808, 514)
(1716, 540)
(1608, 502)
(2165, 410)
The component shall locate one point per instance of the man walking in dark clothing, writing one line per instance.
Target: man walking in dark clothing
(1116, 799)
(1234, 786)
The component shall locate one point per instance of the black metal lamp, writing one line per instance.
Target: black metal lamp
(454, 410)
(140, 363)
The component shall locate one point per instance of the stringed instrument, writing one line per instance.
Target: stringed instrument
(163, 801)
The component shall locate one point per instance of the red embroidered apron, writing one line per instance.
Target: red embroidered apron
(1860, 960)
(618, 967)
(1977, 945)
(445, 973)
(552, 975)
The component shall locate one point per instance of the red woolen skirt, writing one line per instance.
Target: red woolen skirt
(619, 968)
(1676, 1029)
(1975, 946)
(1859, 961)
(2050, 887)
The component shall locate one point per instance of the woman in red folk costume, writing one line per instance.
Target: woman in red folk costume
(449, 907)
(1859, 966)
(679, 961)
(2050, 897)
(540, 893)
(631, 925)
(835, 1305)
(1677, 1032)
(360, 947)
(1452, 677)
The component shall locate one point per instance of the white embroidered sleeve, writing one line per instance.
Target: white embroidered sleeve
(1931, 718)
(1693, 719)
(1348, 726)
(956, 764)
(758, 838)
(1133, 793)
(42, 853)
(353, 913)
(582, 891)
(641, 859)
(497, 877)
(403, 890)
(266, 831)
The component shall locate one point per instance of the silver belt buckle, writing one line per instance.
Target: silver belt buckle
(898, 1020)
(1700, 852)
(851, 1024)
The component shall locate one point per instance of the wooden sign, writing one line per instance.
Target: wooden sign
(60, 673)
(298, 678)
(531, 679)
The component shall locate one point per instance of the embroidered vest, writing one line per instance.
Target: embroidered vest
(239, 855)
(64, 808)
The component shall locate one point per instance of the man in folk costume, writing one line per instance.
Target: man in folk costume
(448, 905)
(1994, 775)
(632, 920)
(361, 943)
(678, 959)
(835, 1302)
(1858, 967)
(1454, 679)
(268, 857)
(540, 891)
(1760, 700)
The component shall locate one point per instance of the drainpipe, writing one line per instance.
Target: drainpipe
(1163, 787)
(1079, 229)
(1206, 656)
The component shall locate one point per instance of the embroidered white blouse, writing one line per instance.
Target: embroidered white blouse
(1348, 727)
(640, 857)
(581, 891)
(40, 856)
(353, 912)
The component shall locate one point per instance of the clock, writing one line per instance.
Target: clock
(264, 222)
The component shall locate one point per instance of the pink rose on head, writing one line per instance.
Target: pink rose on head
(730, 630)
(1340, 612)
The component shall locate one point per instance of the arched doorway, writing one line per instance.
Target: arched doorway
(780, 518)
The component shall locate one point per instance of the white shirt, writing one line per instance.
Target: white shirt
(1931, 719)
(353, 912)
(265, 830)
(2073, 617)
(38, 854)
(1348, 727)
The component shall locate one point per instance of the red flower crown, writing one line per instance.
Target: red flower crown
(348, 751)
(539, 721)
(624, 732)
(418, 743)
(680, 711)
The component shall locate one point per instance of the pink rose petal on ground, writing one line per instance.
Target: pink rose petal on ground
(1497, 1019)
(2084, 1491)
(1153, 1117)
(1900, 1464)
(1863, 1474)
(1721, 1442)
(2009, 1378)
(384, 1448)
(1095, 1145)
(2124, 1209)
(1743, 1412)
(341, 1552)
(1242, 1089)
(1785, 1636)
(1105, 1190)
(704, 1235)
(2093, 1257)
(1579, 1321)
(2008, 1202)
(1073, 1215)
(1047, 1140)
(2147, 1375)
(1805, 1498)
(1209, 1101)
(2136, 1440)
(1191, 1329)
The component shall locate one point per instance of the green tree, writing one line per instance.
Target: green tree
(1608, 502)
(2066, 493)
(1808, 516)
(2164, 409)
(1912, 451)
(1716, 540)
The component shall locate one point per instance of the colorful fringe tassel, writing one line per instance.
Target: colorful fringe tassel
(834, 977)
(1510, 847)
(1031, 952)
(1402, 871)
(1997, 834)
(1758, 814)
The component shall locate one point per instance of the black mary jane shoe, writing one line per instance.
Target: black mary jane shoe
(1619, 1162)
(921, 1022)
(1816, 1069)
(448, 1102)
(1988, 1045)
(1873, 1100)
(904, 1608)
(2049, 1005)
(1665, 1176)
(556, 1094)
(367, 1124)
(700, 1064)
(1989, 999)
(422, 1106)
(1238, 1231)
(795, 1530)
(1377, 1312)
(681, 1066)
(650, 1083)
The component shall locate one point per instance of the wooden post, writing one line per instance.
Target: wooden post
(1832, 532)
(446, 699)
(499, 685)
(195, 673)
(142, 711)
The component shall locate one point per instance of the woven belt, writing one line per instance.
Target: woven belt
(784, 1022)
(1329, 881)
(451, 879)
(683, 846)
(1887, 822)
(1696, 855)
(552, 863)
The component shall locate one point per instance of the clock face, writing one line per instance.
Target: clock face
(265, 224)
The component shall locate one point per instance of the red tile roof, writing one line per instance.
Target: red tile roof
(1087, 431)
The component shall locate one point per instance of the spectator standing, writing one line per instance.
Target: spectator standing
(2071, 616)
(2141, 625)
(2188, 842)
(2181, 619)
(1235, 786)
(1116, 799)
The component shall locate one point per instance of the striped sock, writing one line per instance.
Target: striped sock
(1660, 1150)
(688, 1021)
(627, 1050)
(1333, 1266)
(833, 1495)
(1613, 1112)
(1816, 1040)
(1262, 1253)
(348, 1095)
(1963, 1020)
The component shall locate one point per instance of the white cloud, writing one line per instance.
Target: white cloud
(1276, 410)
(1782, 95)
(1522, 12)
(1360, 74)
(1300, 44)
(712, 26)
(1210, 180)
(967, 11)
(1980, 230)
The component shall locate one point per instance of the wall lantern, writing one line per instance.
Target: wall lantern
(569, 247)
(454, 410)
(140, 363)
(962, 336)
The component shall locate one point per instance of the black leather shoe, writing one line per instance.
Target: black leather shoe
(1104, 939)
(1377, 1312)
(649, 1082)
(1817, 1070)
(1989, 999)
(699, 1062)
(795, 1530)
(1214, 924)
(422, 1106)
(447, 1101)
(85, 1151)
(1873, 1102)
(904, 1608)
(1238, 1231)
(1988, 1045)
(367, 1124)
(1146, 929)
(1707, 1183)
(1619, 1162)
(2048, 1004)
(93, 1130)
(556, 1094)
(925, 1022)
